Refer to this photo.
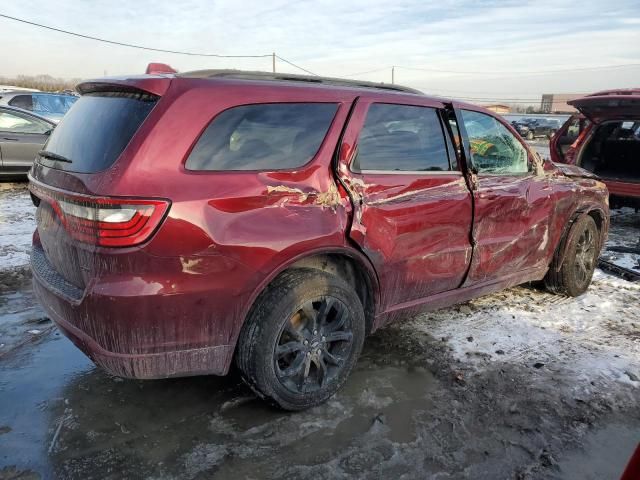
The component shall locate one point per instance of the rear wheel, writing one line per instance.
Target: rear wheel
(573, 276)
(302, 339)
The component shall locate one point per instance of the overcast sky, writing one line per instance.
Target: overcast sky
(497, 40)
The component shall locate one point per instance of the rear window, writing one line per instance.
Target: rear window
(96, 130)
(269, 136)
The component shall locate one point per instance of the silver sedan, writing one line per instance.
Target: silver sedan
(22, 136)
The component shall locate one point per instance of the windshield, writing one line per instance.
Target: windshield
(94, 133)
(47, 104)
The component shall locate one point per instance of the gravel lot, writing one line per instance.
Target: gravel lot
(518, 384)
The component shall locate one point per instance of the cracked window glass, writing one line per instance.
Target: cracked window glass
(494, 149)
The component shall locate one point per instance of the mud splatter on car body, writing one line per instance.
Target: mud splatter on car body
(174, 303)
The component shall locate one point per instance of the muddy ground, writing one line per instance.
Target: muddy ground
(520, 384)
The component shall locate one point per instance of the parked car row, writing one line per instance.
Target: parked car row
(26, 121)
(49, 105)
(215, 217)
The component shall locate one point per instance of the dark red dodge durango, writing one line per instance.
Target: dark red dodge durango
(189, 221)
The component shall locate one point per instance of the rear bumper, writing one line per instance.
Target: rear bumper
(134, 331)
(180, 363)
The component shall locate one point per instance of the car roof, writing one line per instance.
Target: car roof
(287, 77)
(157, 83)
(26, 112)
(616, 92)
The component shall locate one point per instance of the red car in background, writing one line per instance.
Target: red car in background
(188, 221)
(604, 138)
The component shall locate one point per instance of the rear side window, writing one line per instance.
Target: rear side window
(270, 136)
(22, 101)
(96, 130)
(401, 138)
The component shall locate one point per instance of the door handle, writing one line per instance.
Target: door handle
(10, 139)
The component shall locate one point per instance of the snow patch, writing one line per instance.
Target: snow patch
(596, 334)
(17, 224)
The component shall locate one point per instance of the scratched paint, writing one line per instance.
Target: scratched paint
(175, 304)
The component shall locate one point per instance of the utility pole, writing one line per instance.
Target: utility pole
(393, 75)
(273, 61)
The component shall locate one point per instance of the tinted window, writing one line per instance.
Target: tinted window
(96, 130)
(15, 123)
(494, 149)
(263, 137)
(401, 137)
(22, 101)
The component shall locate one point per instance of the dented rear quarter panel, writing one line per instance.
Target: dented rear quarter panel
(225, 236)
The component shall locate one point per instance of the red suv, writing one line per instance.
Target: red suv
(189, 220)
(605, 139)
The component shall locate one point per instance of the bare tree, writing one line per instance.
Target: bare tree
(46, 83)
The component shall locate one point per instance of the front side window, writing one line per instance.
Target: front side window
(270, 136)
(21, 124)
(401, 138)
(494, 149)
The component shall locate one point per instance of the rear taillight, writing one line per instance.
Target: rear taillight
(105, 221)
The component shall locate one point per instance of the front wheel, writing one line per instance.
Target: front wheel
(573, 276)
(530, 135)
(302, 339)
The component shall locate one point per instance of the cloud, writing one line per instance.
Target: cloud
(336, 38)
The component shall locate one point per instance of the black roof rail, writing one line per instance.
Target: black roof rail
(290, 77)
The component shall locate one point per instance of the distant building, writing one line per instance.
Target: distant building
(557, 102)
(499, 109)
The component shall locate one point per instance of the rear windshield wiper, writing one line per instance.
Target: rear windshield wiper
(54, 156)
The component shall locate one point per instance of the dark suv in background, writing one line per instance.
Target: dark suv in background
(531, 128)
(274, 220)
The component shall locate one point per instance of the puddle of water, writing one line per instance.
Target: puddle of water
(167, 427)
(31, 384)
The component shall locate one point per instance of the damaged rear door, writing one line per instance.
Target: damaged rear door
(512, 203)
(412, 208)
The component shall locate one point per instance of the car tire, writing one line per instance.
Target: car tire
(572, 275)
(529, 135)
(301, 339)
